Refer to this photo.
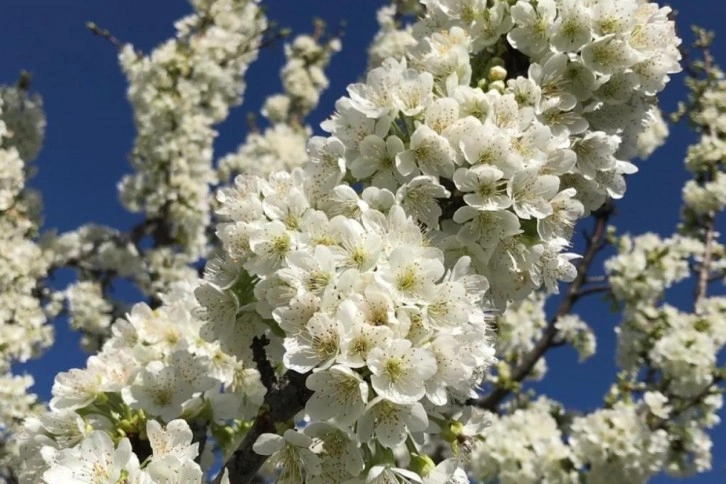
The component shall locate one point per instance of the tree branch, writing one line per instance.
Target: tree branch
(199, 435)
(704, 271)
(259, 355)
(286, 399)
(104, 34)
(708, 222)
(587, 291)
(574, 292)
(689, 403)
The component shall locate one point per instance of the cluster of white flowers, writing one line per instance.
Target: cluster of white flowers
(624, 443)
(392, 40)
(303, 77)
(618, 445)
(647, 265)
(22, 320)
(666, 395)
(681, 345)
(95, 457)
(679, 350)
(518, 329)
(447, 191)
(156, 365)
(278, 147)
(628, 442)
(706, 193)
(708, 197)
(24, 121)
(12, 177)
(96, 248)
(23, 263)
(101, 255)
(525, 447)
(89, 312)
(498, 172)
(282, 145)
(577, 333)
(178, 93)
(654, 134)
(502, 171)
(357, 295)
(18, 404)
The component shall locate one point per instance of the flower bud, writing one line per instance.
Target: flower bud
(497, 73)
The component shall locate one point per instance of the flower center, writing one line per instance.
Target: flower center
(394, 368)
(406, 279)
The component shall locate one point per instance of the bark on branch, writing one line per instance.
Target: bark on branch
(287, 397)
(708, 223)
(704, 271)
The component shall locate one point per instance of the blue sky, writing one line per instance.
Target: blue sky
(90, 133)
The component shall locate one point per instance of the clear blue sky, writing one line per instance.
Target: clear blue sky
(90, 133)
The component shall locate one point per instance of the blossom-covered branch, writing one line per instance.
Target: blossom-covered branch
(353, 305)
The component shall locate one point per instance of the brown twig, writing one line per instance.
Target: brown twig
(104, 34)
(708, 222)
(587, 291)
(704, 271)
(574, 292)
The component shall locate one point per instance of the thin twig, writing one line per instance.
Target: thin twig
(708, 222)
(594, 279)
(104, 34)
(574, 292)
(704, 271)
(690, 403)
(587, 291)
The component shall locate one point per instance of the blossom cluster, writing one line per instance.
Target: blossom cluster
(23, 262)
(617, 444)
(361, 299)
(154, 368)
(498, 162)
(392, 39)
(178, 93)
(98, 459)
(681, 347)
(379, 265)
(525, 447)
(282, 145)
(670, 355)
(706, 192)
(541, 442)
(518, 329)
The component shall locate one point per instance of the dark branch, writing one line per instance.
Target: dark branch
(691, 402)
(104, 34)
(259, 355)
(281, 404)
(707, 222)
(704, 271)
(574, 292)
(599, 289)
(199, 435)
